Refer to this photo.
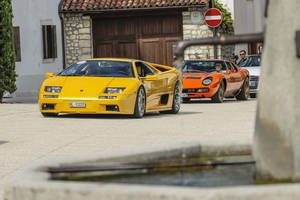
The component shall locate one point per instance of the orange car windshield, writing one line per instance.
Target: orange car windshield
(100, 68)
(203, 66)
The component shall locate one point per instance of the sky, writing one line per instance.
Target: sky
(228, 5)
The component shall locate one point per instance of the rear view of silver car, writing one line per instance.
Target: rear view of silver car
(254, 70)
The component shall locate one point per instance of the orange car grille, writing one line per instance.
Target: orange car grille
(192, 77)
(195, 90)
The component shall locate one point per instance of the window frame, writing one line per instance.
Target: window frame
(144, 65)
(49, 36)
(17, 43)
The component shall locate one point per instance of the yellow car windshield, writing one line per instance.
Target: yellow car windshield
(100, 68)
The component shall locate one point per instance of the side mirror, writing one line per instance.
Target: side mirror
(151, 78)
(49, 75)
(228, 71)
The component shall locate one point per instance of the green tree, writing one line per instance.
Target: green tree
(7, 52)
(227, 24)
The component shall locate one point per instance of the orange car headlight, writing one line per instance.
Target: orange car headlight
(207, 81)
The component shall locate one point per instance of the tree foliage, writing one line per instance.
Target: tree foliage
(7, 52)
(227, 24)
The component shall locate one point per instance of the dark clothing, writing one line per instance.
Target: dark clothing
(245, 62)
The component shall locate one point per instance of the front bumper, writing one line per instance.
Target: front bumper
(193, 93)
(92, 106)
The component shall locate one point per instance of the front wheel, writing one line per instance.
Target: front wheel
(244, 93)
(140, 103)
(219, 96)
(176, 101)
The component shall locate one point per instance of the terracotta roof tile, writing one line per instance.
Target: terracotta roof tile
(85, 5)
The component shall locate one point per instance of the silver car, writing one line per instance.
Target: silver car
(254, 70)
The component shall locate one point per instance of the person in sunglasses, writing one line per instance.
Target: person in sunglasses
(244, 61)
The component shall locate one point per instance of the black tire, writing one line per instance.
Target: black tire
(244, 93)
(49, 114)
(176, 101)
(219, 96)
(185, 100)
(140, 103)
(252, 95)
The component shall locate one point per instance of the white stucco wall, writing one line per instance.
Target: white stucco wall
(248, 18)
(30, 15)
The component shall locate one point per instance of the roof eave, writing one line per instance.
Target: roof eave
(127, 9)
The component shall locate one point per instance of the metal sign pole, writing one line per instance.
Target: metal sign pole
(214, 32)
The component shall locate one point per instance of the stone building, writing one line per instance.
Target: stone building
(146, 30)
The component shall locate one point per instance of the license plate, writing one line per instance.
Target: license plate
(185, 95)
(252, 83)
(77, 104)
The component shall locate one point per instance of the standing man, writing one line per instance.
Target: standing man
(244, 61)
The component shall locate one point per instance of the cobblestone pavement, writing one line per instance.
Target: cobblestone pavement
(26, 136)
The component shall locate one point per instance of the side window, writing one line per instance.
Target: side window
(143, 69)
(234, 66)
(229, 67)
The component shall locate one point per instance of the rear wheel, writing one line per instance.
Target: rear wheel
(219, 96)
(176, 101)
(49, 114)
(140, 103)
(244, 93)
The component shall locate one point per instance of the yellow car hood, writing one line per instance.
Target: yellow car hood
(88, 87)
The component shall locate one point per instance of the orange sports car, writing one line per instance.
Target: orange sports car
(215, 79)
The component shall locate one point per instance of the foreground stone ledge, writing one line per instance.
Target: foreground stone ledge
(33, 182)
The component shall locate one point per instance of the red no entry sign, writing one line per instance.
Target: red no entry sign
(213, 17)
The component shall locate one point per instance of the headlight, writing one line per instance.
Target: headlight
(50, 96)
(53, 89)
(207, 81)
(114, 90)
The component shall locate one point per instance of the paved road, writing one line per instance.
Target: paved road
(31, 137)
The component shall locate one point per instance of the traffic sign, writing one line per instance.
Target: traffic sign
(213, 17)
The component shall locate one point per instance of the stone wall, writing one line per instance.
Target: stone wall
(78, 37)
(194, 27)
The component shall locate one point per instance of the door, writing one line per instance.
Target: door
(231, 85)
(148, 37)
(238, 78)
(151, 86)
(151, 50)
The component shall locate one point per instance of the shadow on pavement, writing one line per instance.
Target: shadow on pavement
(208, 101)
(120, 116)
(3, 142)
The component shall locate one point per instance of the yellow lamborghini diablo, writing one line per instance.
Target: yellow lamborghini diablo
(111, 86)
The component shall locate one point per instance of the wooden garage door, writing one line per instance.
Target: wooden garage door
(149, 38)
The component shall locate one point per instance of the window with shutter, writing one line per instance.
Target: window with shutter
(17, 43)
(49, 41)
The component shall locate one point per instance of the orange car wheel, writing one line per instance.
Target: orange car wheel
(219, 96)
(244, 93)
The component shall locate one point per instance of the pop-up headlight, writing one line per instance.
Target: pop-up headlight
(114, 90)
